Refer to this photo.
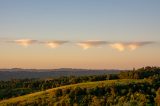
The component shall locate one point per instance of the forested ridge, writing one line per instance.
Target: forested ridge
(137, 87)
(18, 73)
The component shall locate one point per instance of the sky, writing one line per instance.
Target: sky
(91, 34)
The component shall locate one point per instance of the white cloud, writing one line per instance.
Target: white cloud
(55, 44)
(121, 46)
(91, 43)
(133, 46)
(118, 46)
(25, 42)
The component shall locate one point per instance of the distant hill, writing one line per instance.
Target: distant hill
(18, 73)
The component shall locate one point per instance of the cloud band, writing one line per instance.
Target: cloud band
(120, 46)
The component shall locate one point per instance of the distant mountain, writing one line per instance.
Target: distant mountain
(18, 73)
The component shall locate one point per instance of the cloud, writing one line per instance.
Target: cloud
(55, 44)
(118, 46)
(133, 46)
(25, 42)
(121, 46)
(91, 43)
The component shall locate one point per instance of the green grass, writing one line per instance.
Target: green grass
(29, 98)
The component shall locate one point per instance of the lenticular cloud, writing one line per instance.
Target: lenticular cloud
(91, 43)
(120, 46)
(25, 42)
(55, 44)
(129, 45)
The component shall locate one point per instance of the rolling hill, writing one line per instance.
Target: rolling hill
(50, 95)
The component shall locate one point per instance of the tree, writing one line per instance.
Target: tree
(58, 92)
(157, 99)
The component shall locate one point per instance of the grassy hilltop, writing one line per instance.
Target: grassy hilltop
(50, 95)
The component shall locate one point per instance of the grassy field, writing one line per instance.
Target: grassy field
(29, 98)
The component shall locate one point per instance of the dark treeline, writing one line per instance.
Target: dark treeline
(141, 73)
(121, 93)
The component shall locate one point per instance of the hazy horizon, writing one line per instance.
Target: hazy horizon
(106, 34)
(77, 68)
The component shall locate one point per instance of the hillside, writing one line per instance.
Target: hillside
(139, 87)
(49, 95)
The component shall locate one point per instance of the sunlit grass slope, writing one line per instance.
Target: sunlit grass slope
(49, 94)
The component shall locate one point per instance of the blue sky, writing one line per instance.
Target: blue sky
(81, 20)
